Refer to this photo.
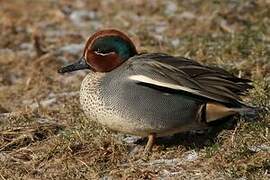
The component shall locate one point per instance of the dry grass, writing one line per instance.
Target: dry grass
(44, 134)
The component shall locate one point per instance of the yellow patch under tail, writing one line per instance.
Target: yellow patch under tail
(216, 111)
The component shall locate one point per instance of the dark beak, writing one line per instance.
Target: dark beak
(80, 64)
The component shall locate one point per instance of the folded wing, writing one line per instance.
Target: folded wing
(180, 75)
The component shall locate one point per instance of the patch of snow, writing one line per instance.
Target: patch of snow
(51, 99)
(175, 42)
(73, 49)
(44, 103)
(171, 8)
(186, 15)
(131, 139)
(161, 27)
(81, 16)
(190, 156)
(169, 162)
(158, 37)
(258, 148)
(106, 178)
(26, 46)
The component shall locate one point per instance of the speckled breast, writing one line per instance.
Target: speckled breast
(95, 108)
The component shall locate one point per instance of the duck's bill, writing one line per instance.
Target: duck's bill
(80, 64)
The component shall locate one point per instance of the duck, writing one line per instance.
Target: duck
(153, 94)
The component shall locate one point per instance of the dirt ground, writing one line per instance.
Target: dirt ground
(44, 133)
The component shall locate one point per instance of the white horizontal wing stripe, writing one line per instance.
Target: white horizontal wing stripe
(148, 80)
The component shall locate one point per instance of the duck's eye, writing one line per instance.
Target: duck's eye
(104, 50)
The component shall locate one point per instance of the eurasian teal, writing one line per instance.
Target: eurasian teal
(152, 94)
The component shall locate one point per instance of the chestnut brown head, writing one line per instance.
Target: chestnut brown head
(104, 51)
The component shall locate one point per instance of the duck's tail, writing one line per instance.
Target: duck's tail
(249, 112)
(216, 111)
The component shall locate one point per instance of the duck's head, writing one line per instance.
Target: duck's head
(104, 51)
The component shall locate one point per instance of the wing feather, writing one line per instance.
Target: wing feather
(182, 74)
